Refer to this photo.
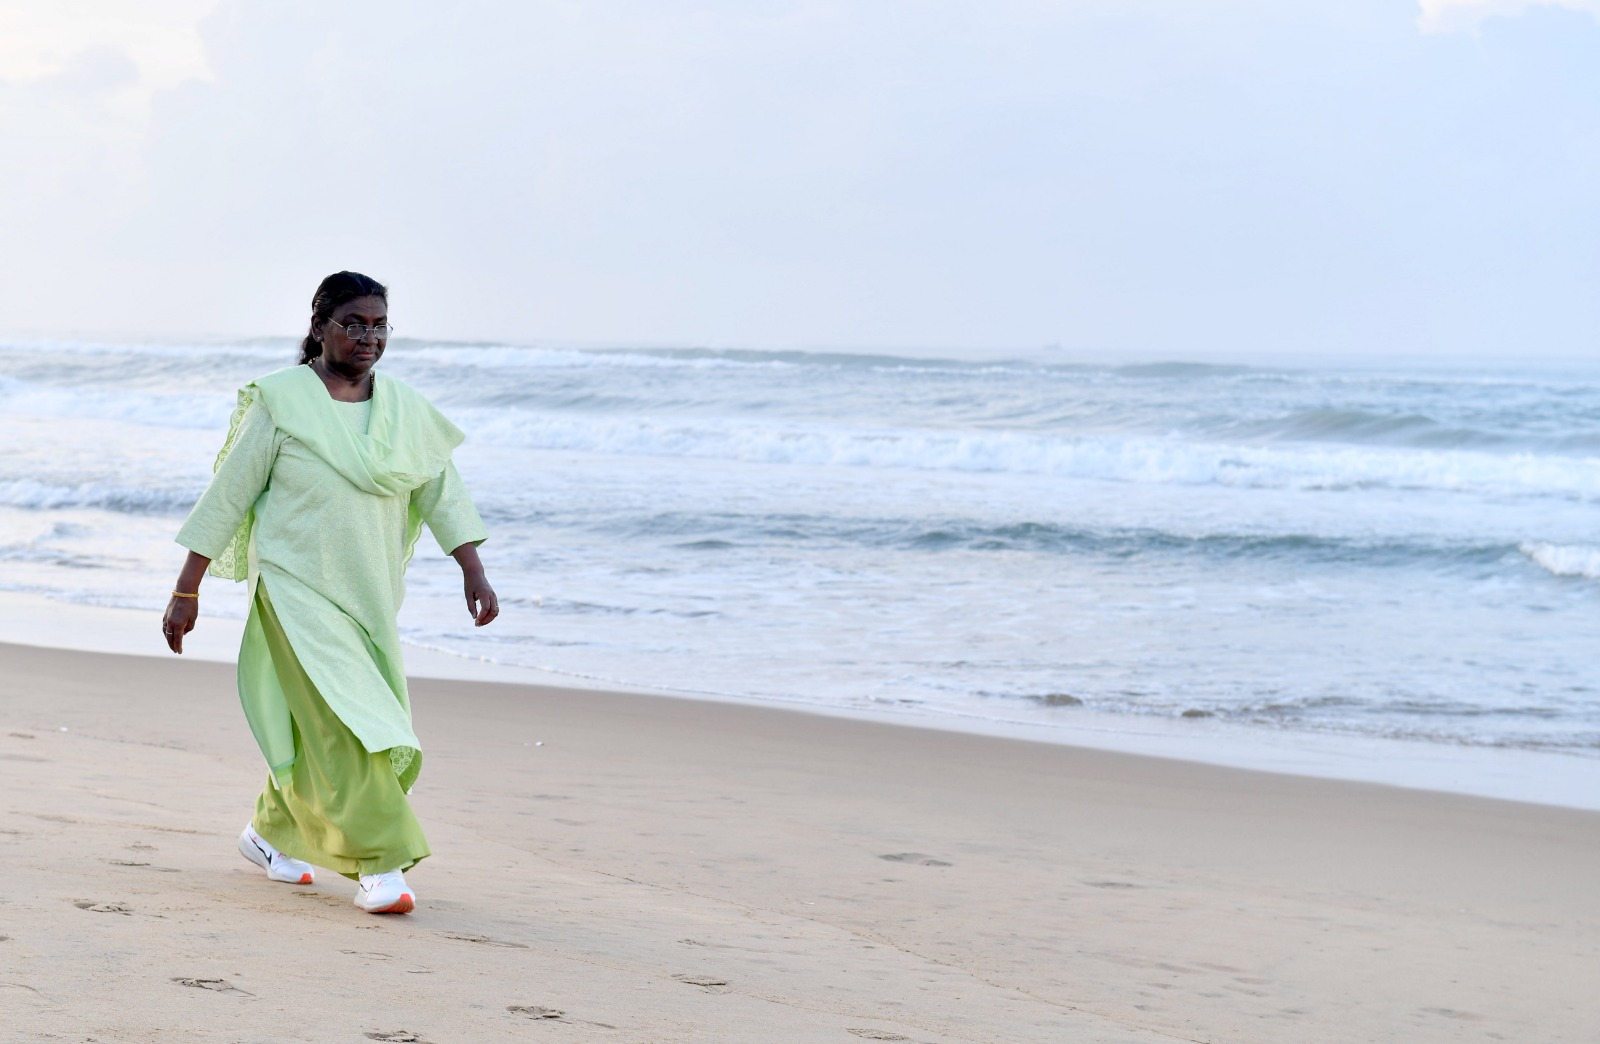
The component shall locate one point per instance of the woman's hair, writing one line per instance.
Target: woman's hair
(339, 288)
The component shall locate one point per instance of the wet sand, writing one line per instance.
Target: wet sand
(612, 867)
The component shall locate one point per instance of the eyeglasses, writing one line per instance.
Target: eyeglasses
(356, 331)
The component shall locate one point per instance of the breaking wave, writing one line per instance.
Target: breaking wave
(1576, 560)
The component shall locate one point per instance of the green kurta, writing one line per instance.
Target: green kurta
(324, 515)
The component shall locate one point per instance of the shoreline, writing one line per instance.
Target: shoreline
(675, 870)
(1511, 774)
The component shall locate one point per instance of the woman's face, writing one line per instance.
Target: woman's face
(353, 356)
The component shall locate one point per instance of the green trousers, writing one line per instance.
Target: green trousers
(342, 807)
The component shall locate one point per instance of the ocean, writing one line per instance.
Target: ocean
(1357, 550)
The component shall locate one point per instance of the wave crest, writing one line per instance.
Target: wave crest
(132, 500)
(1145, 460)
(1575, 560)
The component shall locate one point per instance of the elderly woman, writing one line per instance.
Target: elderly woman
(328, 474)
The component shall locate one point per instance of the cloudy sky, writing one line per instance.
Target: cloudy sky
(1173, 178)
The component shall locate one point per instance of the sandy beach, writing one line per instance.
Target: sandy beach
(613, 867)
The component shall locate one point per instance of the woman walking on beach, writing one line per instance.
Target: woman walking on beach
(328, 474)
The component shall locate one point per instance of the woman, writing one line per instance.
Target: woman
(328, 473)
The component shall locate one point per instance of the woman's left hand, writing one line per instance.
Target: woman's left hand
(481, 600)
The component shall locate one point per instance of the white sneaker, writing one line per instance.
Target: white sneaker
(385, 893)
(278, 866)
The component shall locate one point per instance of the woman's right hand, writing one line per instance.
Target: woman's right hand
(182, 612)
(179, 620)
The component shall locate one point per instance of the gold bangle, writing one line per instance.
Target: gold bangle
(182, 594)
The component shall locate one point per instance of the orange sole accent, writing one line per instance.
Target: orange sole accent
(305, 878)
(404, 904)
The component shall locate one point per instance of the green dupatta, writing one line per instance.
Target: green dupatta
(407, 443)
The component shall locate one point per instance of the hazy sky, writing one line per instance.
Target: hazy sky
(1182, 178)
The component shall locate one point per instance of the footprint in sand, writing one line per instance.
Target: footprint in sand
(483, 940)
(398, 1036)
(710, 983)
(147, 866)
(99, 907)
(872, 1034)
(214, 985)
(534, 1011)
(1451, 1013)
(916, 858)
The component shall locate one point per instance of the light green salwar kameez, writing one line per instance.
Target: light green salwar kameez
(318, 504)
